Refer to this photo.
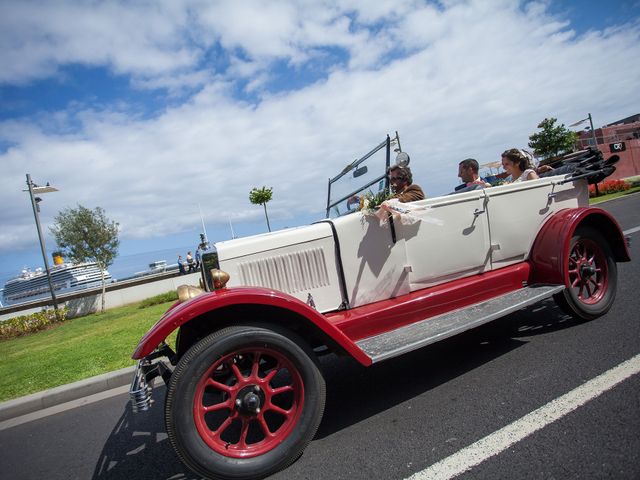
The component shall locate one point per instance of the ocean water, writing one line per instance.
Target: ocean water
(125, 266)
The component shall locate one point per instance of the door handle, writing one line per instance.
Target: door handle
(477, 212)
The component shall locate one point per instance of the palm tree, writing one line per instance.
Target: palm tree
(260, 196)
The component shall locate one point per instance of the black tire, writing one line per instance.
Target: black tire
(251, 379)
(592, 276)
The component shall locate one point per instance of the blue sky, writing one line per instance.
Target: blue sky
(151, 108)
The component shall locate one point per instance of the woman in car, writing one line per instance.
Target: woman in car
(518, 164)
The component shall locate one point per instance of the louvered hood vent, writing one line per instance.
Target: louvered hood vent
(291, 273)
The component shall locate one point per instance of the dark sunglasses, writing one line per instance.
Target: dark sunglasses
(396, 179)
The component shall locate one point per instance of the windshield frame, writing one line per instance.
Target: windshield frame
(353, 165)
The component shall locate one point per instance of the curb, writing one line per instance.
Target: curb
(65, 393)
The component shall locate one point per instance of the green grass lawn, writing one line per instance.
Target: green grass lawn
(74, 350)
(611, 196)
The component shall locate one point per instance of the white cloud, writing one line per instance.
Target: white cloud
(160, 44)
(478, 78)
(140, 38)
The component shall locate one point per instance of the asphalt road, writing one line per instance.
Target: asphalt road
(397, 418)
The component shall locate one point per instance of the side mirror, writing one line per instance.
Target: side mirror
(358, 172)
(402, 159)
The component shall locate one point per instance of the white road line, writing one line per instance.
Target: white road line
(631, 230)
(502, 439)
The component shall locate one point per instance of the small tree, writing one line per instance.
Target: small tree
(553, 139)
(260, 196)
(87, 235)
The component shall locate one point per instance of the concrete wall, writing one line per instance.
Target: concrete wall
(117, 298)
(91, 302)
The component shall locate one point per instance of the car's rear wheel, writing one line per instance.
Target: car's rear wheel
(243, 403)
(592, 276)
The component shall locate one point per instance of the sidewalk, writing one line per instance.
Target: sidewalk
(65, 393)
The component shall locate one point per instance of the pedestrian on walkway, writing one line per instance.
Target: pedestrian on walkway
(181, 266)
(198, 258)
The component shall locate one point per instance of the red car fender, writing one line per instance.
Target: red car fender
(550, 249)
(180, 314)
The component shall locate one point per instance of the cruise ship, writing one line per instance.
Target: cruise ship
(65, 277)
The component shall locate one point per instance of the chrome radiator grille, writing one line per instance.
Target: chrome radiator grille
(291, 272)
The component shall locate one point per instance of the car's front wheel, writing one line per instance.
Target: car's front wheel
(592, 276)
(243, 403)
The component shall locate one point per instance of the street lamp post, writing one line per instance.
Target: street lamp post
(593, 132)
(593, 137)
(35, 189)
(595, 145)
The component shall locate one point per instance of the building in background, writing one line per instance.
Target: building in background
(620, 138)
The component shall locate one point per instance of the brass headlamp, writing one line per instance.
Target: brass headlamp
(187, 292)
(219, 278)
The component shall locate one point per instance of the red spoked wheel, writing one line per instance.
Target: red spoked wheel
(244, 402)
(248, 402)
(588, 271)
(591, 274)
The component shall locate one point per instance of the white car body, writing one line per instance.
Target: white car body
(455, 236)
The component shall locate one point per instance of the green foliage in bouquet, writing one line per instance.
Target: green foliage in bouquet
(371, 201)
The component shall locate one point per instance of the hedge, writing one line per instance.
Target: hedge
(609, 186)
(26, 324)
(162, 298)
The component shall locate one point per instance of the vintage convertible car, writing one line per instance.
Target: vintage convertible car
(244, 391)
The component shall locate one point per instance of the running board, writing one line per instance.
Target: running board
(433, 329)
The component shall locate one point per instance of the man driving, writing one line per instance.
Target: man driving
(402, 186)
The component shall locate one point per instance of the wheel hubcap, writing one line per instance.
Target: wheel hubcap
(587, 271)
(250, 400)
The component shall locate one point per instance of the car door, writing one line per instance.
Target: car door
(449, 238)
(517, 211)
(373, 264)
